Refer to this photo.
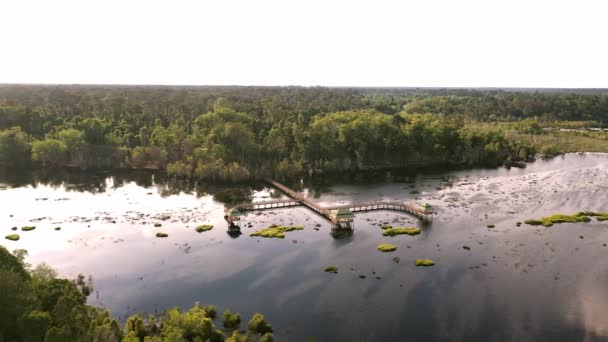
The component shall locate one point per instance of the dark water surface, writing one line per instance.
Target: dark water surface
(515, 284)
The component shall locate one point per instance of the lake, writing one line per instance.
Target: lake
(515, 283)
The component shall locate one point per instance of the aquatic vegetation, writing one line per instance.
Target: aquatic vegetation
(14, 228)
(28, 228)
(466, 247)
(592, 213)
(533, 222)
(386, 247)
(490, 226)
(13, 237)
(559, 218)
(401, 231)
(57, 228)
(602, 218)
(274, 231)
(386, 226)
(204, 228)
(362, 276)
(331, 269)
(158, 225)
(424, 262)
(162, 235)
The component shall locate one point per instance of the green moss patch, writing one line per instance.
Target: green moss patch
(592, 213)
(602, 218)
(204, 228)
(386, 247)
(275, 231)
(424, 262)
(158, 225)
(559, 218)
(401, 231)
(331, 269)
(13, 237)
(162, 235)
(28, 228)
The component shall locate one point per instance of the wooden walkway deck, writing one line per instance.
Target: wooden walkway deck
(297, 199)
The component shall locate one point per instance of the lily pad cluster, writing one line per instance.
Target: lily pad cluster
(275, 231)
(581, 216)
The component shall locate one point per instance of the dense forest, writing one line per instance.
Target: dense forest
(36, 305)
(238, 133)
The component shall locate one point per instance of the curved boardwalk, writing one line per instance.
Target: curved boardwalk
(329, 212)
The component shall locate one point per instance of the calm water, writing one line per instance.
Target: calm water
(515, 284)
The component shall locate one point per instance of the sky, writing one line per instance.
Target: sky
(424, 43)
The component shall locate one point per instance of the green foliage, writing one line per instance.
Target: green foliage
(267, 337)
(204, 228)
(400, 231)
(559, 218)
(34, 325)
(232, 321)
(386, 247)
(275, 231)
(14, 147)
(49, 152)
(13, 237)
(37, 306)
(424, 262)
(331, 269)
(28, 228)
(258, 324)
(234, 134)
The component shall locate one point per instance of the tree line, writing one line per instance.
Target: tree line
(239, 133)
(36, 305)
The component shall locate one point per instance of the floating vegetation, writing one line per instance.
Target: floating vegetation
(57, 228)
(602, 218)
(424, 262)
(28, 228)
(386, 247)
(518, 223)
(274, 231)
(13, 237)
(204, 228)
(162, 235)
(548, 221)
(386, 226)
(14, 228)
(362, 276)
(331, 269)
(158, 225)
(466, 247)
(401, 231)
(490, 226)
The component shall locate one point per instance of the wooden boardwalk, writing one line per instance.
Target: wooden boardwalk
(329, 212)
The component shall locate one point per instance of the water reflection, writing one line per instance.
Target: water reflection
(512, 284)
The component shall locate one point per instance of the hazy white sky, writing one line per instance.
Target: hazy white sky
(532, 43)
